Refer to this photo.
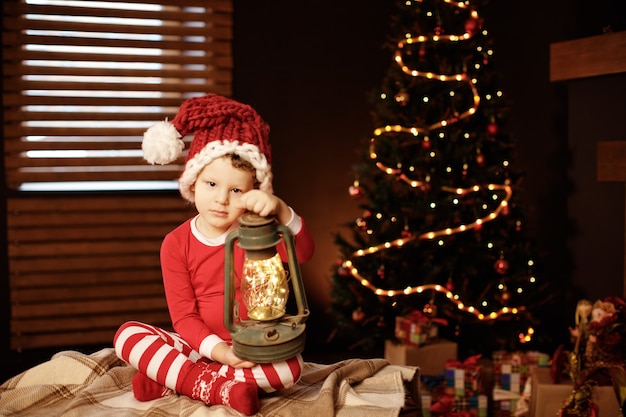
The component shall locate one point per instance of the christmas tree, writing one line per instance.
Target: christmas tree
(442, 230)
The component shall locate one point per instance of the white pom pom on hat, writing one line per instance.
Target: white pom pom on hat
(220, 126)
(162, 144)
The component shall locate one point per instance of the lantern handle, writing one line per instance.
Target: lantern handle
(294, 270)
(229, 284)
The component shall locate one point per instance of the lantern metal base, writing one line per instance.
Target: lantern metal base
(264, 343)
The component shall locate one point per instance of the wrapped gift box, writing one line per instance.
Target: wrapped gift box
(547, 398)
(464, 379)
(476, 405)
(505, 403)
(505, 408)
(417, 329)
(437, 405)
(512, 369)
(430, 358)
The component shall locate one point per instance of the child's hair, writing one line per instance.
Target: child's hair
(241, 163)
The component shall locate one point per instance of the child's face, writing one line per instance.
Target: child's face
(217, 190)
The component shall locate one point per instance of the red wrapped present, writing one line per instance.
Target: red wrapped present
(451, 406)
(417, 329)
(465, 378)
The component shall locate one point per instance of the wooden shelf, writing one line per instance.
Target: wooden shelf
(588, 57)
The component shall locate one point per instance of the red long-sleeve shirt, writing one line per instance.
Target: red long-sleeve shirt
(193, 277)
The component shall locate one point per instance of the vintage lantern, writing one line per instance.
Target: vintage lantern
(269, 334)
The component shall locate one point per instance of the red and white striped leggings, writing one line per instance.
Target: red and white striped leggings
(161, 354)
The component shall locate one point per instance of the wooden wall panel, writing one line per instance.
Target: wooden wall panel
(588, 57)
(81, 266)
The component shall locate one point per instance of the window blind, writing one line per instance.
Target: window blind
(80, 266)
(82, 80)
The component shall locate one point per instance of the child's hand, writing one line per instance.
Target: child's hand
(224, 354)
(236, 362)
(265, 204)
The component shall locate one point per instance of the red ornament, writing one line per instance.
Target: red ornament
(356, 191)
(381, 272)
(406, 233)
(450, 285)
(358, 315)
(480, 159)
(422, 52)
(471, 26)
(402, 98)
(493, 129)
(430, 309)
(501, 266)
(426, 144)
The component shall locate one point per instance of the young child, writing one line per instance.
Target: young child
(228, 172)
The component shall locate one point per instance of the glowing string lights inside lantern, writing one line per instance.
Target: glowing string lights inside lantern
(265, 288)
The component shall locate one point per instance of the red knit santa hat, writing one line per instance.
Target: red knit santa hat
(220, 126)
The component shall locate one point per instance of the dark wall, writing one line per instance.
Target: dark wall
(307, 68)
(596, 107)
(308, 72)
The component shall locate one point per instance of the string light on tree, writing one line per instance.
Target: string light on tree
(442, 224)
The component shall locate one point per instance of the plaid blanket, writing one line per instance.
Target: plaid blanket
(72, 384)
